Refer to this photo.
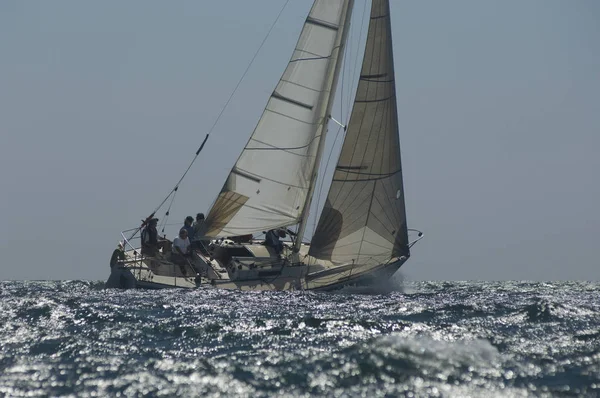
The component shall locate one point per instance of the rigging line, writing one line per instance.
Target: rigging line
(248, 67)
(164, 223)
(224, 107)
(323, 178)
(334, 141)
(277, 148)
(348, 106)
(348, 58)
(368, 89)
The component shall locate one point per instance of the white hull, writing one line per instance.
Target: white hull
(255, 268)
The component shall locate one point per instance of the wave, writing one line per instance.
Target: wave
(380, 286)
(394, 363)
(444, 339)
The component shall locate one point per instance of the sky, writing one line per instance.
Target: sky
(104, 104)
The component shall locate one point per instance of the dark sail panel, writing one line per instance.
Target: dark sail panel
(364, 220)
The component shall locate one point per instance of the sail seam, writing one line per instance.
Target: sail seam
(343, 206)
(347, 244)
(281, 183)
(376, 76)
(321, 23)
(361, 179)
(379, 221)
(310, 59)
(278, 96)
(376, 100)
(374, 80)
(378, 245)
(349, 224)
(288, 150)
(310, 53)
(343, 168)
(259, 178)
(369, 174)
(380, 16)
(270, 212)
(288, 116)
(301, 85)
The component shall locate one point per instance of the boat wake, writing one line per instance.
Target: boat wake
(379, 285)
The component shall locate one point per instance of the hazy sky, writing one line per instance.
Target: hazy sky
(103, 105)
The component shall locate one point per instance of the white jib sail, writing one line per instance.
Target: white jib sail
(269, 184)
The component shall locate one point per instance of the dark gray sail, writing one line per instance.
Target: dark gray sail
(364, 219)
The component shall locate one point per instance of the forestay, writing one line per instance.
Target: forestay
(269, 184)
(364, 220)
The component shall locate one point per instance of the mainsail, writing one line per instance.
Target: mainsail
(364, 220)
(269, 185)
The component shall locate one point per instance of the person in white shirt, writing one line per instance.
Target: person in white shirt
(182, 249)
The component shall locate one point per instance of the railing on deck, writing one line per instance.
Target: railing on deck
(137, 251)
(420, 236)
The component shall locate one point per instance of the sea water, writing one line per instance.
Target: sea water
(447, 339)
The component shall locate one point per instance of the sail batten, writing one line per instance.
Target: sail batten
(363, 221)
(269, 185)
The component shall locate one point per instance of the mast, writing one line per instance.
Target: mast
(324, 112)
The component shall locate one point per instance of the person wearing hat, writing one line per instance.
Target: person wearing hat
(118, 255)
(150, 238)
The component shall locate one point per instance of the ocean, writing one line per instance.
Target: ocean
(419, 339)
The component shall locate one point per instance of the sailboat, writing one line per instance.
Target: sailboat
(362, 234)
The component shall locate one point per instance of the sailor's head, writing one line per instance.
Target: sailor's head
(281, 232)
(188, 220)
(154, 221)
(199, 216)
(183, 233)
